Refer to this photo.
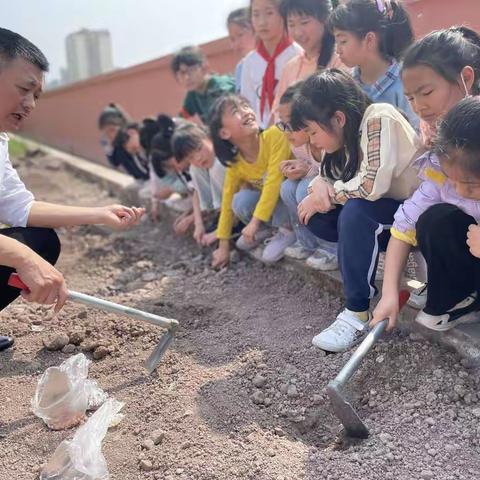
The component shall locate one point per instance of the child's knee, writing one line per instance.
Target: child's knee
(352, 216)
(440, 219)
(288, 191)
(302, 189)
(242, 204)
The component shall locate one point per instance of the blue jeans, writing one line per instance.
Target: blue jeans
(362, 229)
(292, 193)
(244, 204)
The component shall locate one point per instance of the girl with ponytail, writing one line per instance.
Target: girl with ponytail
(371, 37)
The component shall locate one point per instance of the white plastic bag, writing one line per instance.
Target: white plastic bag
(64, 394)
(81, 457)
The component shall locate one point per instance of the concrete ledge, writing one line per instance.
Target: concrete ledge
(465, 339)
(121, 184)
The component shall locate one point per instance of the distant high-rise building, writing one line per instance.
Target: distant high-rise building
(89, 53)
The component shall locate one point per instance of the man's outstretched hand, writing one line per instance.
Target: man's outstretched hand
(120, 217)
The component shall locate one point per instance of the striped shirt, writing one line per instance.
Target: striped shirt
(389, 89)
(388, 145)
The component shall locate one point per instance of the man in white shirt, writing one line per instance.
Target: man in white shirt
(31, 246)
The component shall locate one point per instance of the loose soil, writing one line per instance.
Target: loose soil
(240, 393)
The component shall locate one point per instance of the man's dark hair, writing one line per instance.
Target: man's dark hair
(13, 45)
(189, 56)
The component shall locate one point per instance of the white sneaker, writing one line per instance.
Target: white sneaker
(455, 316)
(418, 297)
(260, 237)
(275, 246)
(322, 260)
(297, 251)
(344, 333)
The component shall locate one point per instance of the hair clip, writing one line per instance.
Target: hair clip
(380, 6)
(385, 7)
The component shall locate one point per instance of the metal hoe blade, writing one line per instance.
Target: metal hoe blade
(342, 407)
(346, 413)
(154, 359)
(354, 426)
(169, 323)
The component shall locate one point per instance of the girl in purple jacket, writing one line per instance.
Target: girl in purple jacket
(441, 217)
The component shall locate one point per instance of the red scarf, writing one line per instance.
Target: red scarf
(269, 80)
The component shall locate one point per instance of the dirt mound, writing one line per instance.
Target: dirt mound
(240, 394)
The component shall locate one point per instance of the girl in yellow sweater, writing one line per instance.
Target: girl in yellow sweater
(252, 182)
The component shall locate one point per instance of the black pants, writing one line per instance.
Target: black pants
(453, 272)
(43, 241)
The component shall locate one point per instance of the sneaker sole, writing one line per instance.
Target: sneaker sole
(272, 260)
(334, 349)
(418, 305)
(298, 257)
(448, 326)
(323, 268)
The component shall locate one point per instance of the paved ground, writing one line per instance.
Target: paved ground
(240, 393)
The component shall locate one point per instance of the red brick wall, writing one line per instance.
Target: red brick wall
(66, 117)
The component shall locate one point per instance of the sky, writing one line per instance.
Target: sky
(141, 30)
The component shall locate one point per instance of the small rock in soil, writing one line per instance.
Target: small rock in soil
(259, 381)
(157, 436)
(70, 348)
(385, 437)
(56, 342)
(149, 277)
(292, 391)
(426, 475)
(146, 465)
(100, 352)
(258, 397)
(148, 444)
(77, 337)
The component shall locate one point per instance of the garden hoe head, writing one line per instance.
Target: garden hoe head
(154, 359)
(169, 323)
(353, 424)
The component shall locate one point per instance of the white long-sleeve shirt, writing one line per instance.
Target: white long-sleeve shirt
(15, 200)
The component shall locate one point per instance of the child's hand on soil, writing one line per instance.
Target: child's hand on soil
(473, 240)
(120, 217)
(221, 256)
(155, 211)
(250, 230)
(209, 238)
(387, 308)
(199, 233)
(182, 224)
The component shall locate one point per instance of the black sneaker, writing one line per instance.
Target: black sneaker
(6, 342)
(462, 312)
